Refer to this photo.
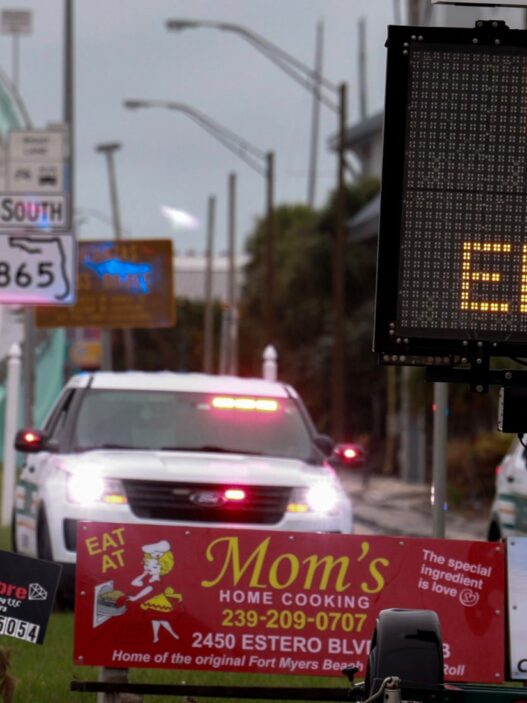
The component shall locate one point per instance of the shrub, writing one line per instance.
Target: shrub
(472, 466)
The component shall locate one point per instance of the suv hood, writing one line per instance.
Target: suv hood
(205, 467)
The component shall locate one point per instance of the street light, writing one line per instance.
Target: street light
(108, 149)
(259, 161)
(316, 84)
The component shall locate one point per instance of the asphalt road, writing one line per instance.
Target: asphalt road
(388, 506)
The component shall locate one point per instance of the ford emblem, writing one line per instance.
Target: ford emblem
(210, 498)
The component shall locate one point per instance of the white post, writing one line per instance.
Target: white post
(270, 363)
(10, 428)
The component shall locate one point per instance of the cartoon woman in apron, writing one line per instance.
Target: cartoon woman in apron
(158, 561)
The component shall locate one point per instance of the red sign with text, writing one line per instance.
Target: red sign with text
(278, 602)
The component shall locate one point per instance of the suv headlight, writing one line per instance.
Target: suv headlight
(322, 498)
(88, 488)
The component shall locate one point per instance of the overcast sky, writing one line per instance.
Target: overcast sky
(123, 50)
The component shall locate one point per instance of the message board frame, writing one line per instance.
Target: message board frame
(403, 279)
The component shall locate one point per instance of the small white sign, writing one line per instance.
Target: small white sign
(36, 145)
(16, 21)
(29, 177)
(34, 211)
(38, 269)
(517, 600)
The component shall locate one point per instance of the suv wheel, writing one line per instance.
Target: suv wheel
(43, 538)
(65, 593)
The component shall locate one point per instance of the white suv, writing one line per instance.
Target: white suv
(509, 508)
(188, 449)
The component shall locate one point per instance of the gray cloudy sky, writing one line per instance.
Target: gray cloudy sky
(124, 51)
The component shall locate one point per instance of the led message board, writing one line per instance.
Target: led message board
(452, 267)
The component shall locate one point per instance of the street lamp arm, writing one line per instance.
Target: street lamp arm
(235, 146)
(298, 77)
(252, 156)
(266, 47)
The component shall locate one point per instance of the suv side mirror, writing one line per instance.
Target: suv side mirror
(324, 443)
(30, 441)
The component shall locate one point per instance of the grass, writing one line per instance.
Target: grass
(44, 672)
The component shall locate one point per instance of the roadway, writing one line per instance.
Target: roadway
(389, 506)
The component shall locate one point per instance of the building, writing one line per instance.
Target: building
(190, 271)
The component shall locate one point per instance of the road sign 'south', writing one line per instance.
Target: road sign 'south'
(34, 211)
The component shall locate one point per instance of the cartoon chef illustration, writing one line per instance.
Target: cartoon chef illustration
(158, 561)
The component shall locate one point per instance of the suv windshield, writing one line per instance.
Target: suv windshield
(157, 420)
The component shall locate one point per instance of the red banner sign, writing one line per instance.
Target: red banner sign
(278, 602)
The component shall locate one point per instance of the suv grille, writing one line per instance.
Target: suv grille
(200, 502)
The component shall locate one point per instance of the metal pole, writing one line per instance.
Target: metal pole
(208, 322)
(10, 426)
(69, 99)
(339, 273)
(391, 420)
(28, 364)
(28, 354)
(439, 463)
(269, 252)
(15, 61)
(315, 117)
(109, 150)
(232, 365)
(405, 414)
(363, 102)
(224, 341)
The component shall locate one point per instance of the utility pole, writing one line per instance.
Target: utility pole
(339, 264)
(208, 321)
(269, 252)
(232, 346)
(315, 117)
(363, 98)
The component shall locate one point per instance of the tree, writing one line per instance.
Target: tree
(178, 348)
(302, 296)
